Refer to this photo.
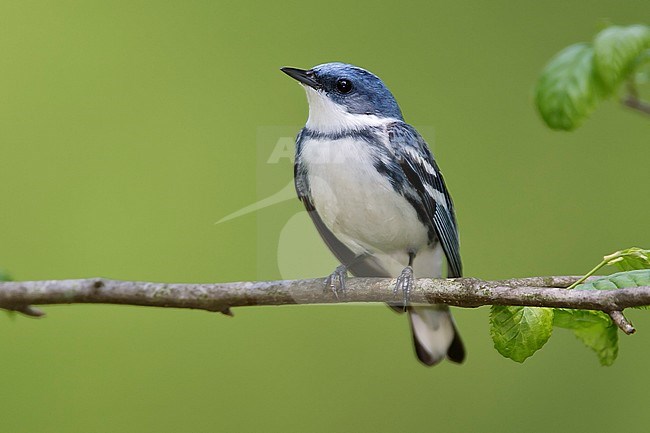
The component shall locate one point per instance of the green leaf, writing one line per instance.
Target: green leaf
(627, 260)
(518, 332)
(573, 319)
(620, 280)
(568, 89)
(630, 259)
(616, 50)
(594, 328)
(602, 339)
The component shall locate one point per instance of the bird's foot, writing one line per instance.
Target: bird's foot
(405, 283)
(336, 281)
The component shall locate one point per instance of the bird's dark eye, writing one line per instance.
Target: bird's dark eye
(343, 85)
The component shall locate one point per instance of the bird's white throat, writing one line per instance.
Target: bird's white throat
(327, 116)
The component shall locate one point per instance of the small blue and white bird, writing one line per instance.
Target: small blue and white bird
(376, 195)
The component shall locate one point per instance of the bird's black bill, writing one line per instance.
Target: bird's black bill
(305, 77)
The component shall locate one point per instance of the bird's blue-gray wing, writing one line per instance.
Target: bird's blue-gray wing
(431, 199)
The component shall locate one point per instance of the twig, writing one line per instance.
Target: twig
(632, 101)
(619, 319)
(219, 297)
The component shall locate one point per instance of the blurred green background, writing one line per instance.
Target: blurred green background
(128, 128)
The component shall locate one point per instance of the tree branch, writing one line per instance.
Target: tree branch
(633, 102)
(619, 319)
(632, 99)
(219, 297)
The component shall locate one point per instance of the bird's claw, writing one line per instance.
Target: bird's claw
(336, 281)
(405, 283)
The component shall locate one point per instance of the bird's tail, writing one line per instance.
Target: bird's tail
(435, 335)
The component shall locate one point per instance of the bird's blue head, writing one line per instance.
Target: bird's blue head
(343, 96)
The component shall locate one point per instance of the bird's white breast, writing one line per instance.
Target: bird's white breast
(357, 203)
